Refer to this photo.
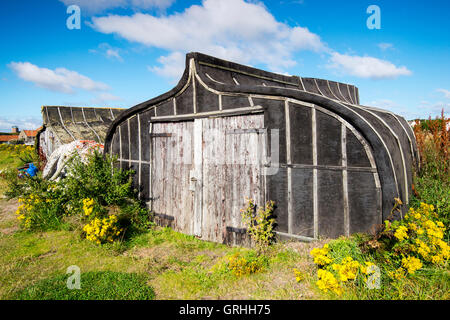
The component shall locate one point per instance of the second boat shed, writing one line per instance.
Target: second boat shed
(228, 131)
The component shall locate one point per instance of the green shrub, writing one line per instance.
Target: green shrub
(105, 285)
(99, 179)
(47, 205)
(42, 205)
(437, 192)
(27, 154)
(15, 186)
(432, 182)
(260, 224)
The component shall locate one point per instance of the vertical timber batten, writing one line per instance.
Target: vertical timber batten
(350, 95)
(150, 187)
(87, 124)
(65, 128)
(315, 187)
(198, 177)
(317, 86)
(140, 156)
(129, 143)
(120, 146)
(332, 92)
(344, 179)
(289, 169)
(301, 82)
(194, 91)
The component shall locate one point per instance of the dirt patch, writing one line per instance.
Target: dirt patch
(7, 209)
(160, 258)
(150, 252)
(170, 252)
(303, 248)
(9, 230)
(7, 216)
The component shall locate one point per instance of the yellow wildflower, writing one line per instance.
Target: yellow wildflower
(397, 274)
(411, 264)
(321, 255)
(298, 275)
(327, 282)
(401, 233)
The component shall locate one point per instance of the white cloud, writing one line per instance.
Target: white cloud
(147, 4)
(60, 79)
(105, 98)
(383, 104)
(108, 51)
(237, 30)
(433, 109)
(29, 123)
(97, 6)
(445, 92)
(423, 110)
(393, 106)
(385, 46)
(172, 65)
(113, 53)
(366, 67)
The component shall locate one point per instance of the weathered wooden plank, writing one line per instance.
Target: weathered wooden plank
(171, 165)
(198, 176)
(231, 172)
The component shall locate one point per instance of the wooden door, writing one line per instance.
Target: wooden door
(233, 154)
(172, 161)
(203, 170)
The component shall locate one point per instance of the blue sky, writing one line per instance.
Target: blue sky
(128, 51)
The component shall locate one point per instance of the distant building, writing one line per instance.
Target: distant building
(6, 138)
(28, 136)
(63, 125)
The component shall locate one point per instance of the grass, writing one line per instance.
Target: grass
(8, 161)
(104, 285)
(176, 266)
(173, 265)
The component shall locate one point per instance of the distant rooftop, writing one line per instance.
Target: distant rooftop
(8, 137)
